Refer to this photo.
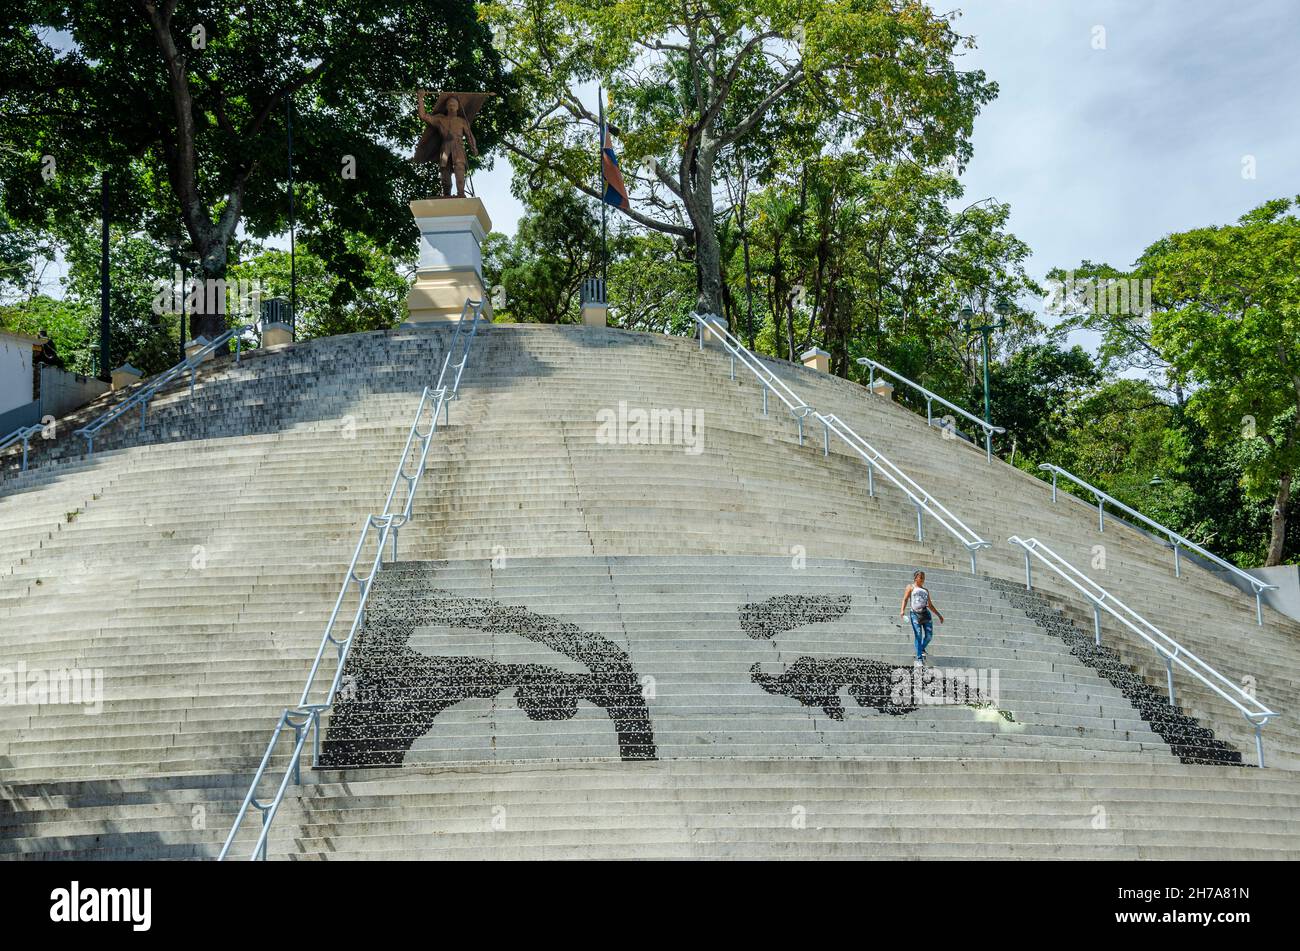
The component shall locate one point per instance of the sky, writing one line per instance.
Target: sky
(1101, 151)
(1116, 122)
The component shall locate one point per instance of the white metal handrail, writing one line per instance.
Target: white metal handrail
(1176, 541)
(932, 398)
(142, 396)
(799, 409)
(22, 434)
(304, 719)
(1169, 650)
(919, 497)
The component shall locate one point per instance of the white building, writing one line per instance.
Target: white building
(17, 380)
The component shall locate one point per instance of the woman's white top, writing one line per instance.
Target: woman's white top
(920, 599)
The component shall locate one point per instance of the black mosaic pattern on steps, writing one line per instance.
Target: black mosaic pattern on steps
(762, 620)
(1187, 739)
(317, 381)
(888, 688)
(394, 694)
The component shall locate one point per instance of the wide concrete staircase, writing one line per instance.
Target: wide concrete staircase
(566, 602)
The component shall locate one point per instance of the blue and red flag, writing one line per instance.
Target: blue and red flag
(615, 190)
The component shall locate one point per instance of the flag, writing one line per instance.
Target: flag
(615, 190)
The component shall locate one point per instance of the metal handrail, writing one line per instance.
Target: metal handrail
(919, 497)
(931, 398)
(799, 409)
(142, 397)
(23, 434)
(1176, 541)
(304, 719)
(1256, 713)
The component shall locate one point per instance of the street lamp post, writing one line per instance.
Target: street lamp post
(105, 326)
(985, 330)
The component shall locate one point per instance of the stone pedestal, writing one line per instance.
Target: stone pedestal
(450, 267)
(883, 389)
(595, 315)
(125, 375)
(276, 333)
(195, 345)
(817, 359)
(708, 333)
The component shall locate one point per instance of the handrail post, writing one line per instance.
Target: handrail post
(826, 440)
(920, 530)
(297, 760)
(929, 411)
(1029, 577)
(1053, 485)
(1259, 742)
(315, 740)
(799, 420)
(988, 445)
(1101, 515)
(1259, 606)
(1169, 676)
(871, 479)
(764, 388)
(972, 560)
(1177, 567)
(733, 368)
(1096, 624)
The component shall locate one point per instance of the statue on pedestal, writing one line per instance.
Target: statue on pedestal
(448, 126)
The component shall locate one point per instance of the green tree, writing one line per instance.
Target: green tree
(1229, 324)
(367, 293)
(693, 81)
(183, 106)
(1031, 392)
(1117, 305)
(542, 268)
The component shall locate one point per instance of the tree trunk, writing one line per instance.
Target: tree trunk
(708, 252)
(207, 320)
(1277, 541)
(749, 275)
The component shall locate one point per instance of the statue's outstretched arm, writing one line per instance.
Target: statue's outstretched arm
(420, 103)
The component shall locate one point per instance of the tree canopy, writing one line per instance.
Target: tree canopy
(185, 107)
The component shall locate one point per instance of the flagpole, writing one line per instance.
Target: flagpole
(604, 246)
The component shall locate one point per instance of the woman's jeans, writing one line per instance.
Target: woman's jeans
(922, 631)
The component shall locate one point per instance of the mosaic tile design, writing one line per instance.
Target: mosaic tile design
(1187, 739)
(817, 683)
(891, 689)
(762, 620)
(397, 692)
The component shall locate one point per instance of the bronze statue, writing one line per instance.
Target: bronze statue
(448, 127)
